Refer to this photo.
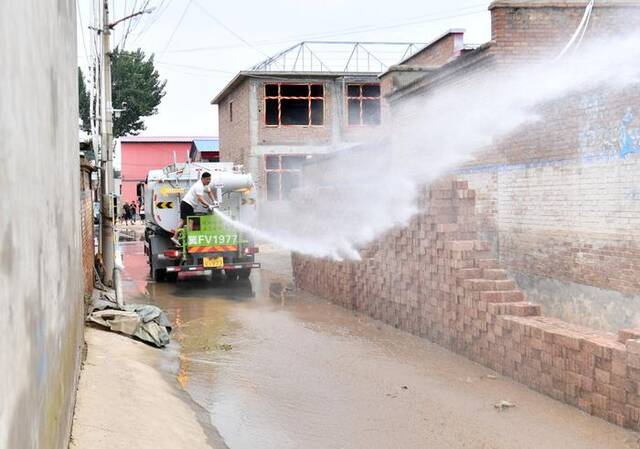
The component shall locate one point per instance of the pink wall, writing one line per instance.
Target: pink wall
(140, 157)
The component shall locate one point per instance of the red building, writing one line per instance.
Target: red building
(141, 154)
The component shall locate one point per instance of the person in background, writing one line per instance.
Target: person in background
(126, 213)
(134, 211)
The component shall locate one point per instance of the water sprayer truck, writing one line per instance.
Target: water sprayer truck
(207, 243)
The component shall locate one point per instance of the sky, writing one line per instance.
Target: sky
(199, 45)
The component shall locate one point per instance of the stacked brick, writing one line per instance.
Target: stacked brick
(436, 279)
(558, 197)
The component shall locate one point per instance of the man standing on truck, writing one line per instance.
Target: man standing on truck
(195, 198)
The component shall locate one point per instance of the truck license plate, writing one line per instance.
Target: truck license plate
(213, 262)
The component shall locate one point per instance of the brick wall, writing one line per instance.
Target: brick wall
(531, 29)
(247, 140)
(557, 200)
(436, 279)
(234, 134)
(440, 51)
(86, 226)
(563, 205)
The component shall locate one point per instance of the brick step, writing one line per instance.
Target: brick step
(502, 296)
(469, 273)
(515, 309)
(628, 334)
(497, 274)
(487, 263)
(463, 245)
(484, 285)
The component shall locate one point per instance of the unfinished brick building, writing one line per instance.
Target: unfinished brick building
(548, 214)
(296, 105)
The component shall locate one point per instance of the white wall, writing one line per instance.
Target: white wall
(41, 311)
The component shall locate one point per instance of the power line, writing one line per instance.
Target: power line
(96, 24)
(153, 20)
(186, 66)
(173, 33)
(84, 45)
(123, 42)
(216, 20)
(434, 17)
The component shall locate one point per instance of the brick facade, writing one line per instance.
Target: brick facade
(440, 51)
(86, 225)
(437, 279)
(235, 139)
(248, 140)
(556, 200)
(525, 30)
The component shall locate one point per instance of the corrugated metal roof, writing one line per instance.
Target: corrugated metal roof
(207, 144)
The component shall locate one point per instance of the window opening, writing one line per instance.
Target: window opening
(283, 175)
(294, 104)
(363, 104)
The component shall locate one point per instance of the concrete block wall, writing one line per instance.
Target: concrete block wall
(41, 293)
(436, 279)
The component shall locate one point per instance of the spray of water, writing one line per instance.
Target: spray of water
(358, 196)
(282, 240)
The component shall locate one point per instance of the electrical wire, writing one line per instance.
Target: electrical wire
(434, 17)
(173, 33)
(204, 69)
(84, 45)
(229, 30)
(149, 24)
(123, 41)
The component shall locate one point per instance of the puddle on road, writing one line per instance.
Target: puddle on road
(292, 371)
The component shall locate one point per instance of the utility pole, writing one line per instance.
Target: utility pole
(107, 182)
(106, 168)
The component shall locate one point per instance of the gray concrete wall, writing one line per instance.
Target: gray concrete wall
(41, 303)
(594, 307)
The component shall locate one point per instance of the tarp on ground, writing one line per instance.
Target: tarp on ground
(143, 321)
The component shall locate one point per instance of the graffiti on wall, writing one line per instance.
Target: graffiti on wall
(629, 137)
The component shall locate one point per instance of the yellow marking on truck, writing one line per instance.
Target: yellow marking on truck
(166, 190)
(212, 249)
(164, 205)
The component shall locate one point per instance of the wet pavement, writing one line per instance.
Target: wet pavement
(294, 371)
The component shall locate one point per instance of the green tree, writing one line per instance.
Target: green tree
(136, 82)
(83, 101)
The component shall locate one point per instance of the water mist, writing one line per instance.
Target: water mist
(430, 137)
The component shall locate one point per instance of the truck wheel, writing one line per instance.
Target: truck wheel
(231, 275)
(159, 274)
(244, 273)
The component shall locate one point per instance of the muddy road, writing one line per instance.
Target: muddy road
(294, 371)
